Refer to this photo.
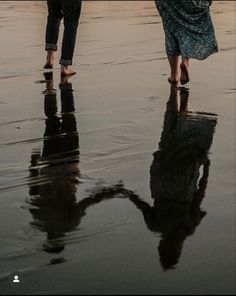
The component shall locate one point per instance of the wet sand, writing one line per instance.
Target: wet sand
(74, 165)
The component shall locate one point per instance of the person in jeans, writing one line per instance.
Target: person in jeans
(70, 12)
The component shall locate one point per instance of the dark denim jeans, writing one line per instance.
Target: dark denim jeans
(70, 11)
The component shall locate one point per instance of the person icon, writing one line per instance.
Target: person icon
(16, 279)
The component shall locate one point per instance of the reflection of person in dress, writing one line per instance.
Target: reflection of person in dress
(189, 33)
(174, 182)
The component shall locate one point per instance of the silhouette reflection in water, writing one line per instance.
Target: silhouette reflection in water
(54, 173)
(175, 182)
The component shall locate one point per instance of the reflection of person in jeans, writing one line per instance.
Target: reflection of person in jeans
(70, 11)
(175, 182)
(54, 171)
(55, 174)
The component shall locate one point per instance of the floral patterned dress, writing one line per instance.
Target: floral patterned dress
(188, 27)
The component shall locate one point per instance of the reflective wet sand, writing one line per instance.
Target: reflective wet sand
(80, 160)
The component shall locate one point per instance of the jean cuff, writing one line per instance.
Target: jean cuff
(66, 62)
(49, 46)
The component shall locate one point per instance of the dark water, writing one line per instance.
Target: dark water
(112, 182)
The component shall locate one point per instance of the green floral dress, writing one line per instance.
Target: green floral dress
(188, 27)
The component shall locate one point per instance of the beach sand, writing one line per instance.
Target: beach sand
(120, 96)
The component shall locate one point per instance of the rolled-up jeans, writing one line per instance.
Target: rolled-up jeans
(69, 10)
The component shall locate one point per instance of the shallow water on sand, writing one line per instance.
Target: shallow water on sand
(77, 170)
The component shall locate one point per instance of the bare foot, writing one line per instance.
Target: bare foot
(184, 78)
(48, 66)
(173, 81)
(49, 60)
(65, 71)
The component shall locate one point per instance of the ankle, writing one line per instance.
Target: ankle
(50, 55)
(185, 62)
(64, 68)
(50, 51)
(174, 75)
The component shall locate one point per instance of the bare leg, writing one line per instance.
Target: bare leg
(65, 71)
(49, 59)
(174, 63)
(184, 78)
